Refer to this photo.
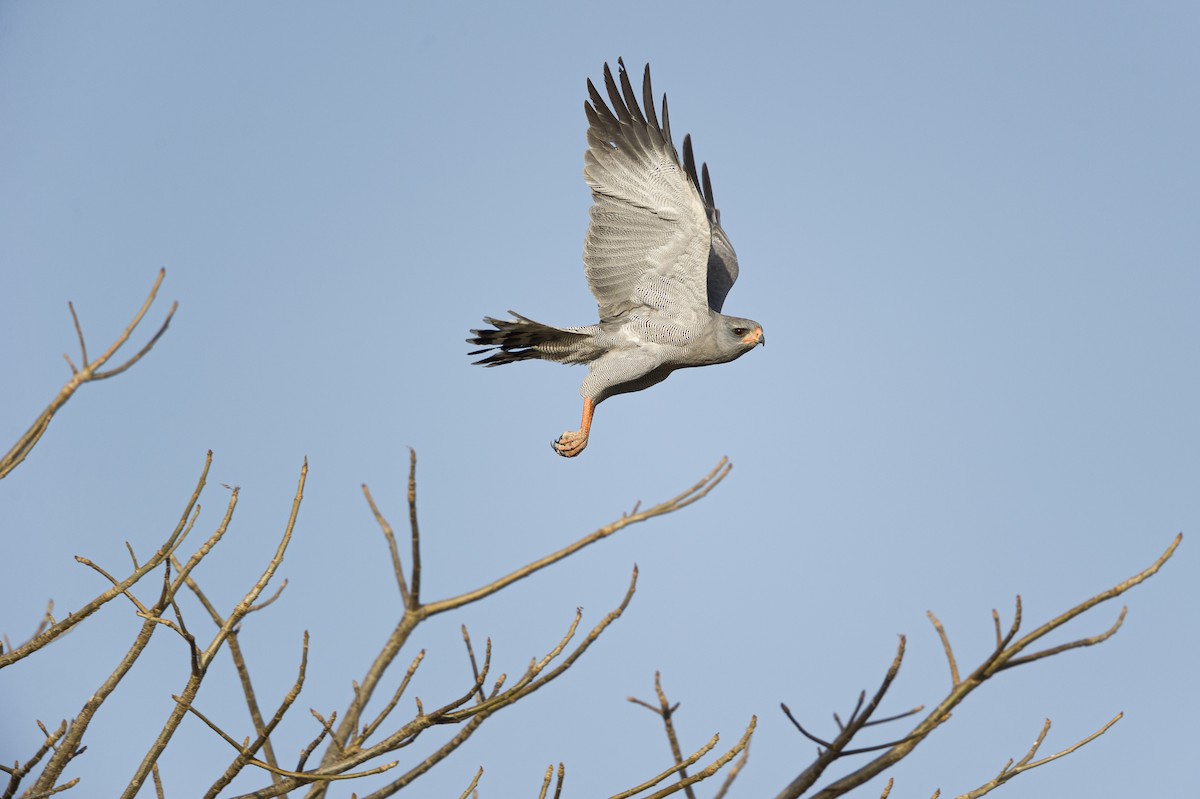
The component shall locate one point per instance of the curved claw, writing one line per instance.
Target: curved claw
(573, 442)
(570, 443)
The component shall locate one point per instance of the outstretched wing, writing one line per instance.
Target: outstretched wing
(649, 241)
(722, 260)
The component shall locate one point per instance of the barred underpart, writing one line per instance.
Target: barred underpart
(524, 338)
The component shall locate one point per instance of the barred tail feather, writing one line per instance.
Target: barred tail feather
(524, 338)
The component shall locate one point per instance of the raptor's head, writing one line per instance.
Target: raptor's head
(737, 336)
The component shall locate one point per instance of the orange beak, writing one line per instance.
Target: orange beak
(755, 338)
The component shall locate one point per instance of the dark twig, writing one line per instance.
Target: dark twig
(415, 598)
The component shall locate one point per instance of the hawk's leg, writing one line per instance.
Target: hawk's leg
(572, 442)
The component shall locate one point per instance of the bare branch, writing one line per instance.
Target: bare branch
(471, 656)
(1027, 762)
(390, 537)
(1002, 657)
(158, 786)
(1054, 650)
(941, 631)
(370, 729)
(665, 710)
(19, 771)
(413, 616)
(674, 769)
(415, 598)
(838, 747)
(188, 695)
(733, 772)
(712, 768)
(79, 333)
(186, 521)
(263, 731)
(86, 374)
(471, 787)
(696, 492)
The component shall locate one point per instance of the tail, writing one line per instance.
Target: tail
(524, 338)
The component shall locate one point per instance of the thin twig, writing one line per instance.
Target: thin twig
(188, 695)
(390, 536)
(415, 598)
(86, 374)
(941, 631)
(186, 521)
(665, 710)
(349, 726)
(474, 782)
(1026, 763)
(1005, 653)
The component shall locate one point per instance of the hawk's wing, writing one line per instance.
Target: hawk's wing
(650, 237)
(722, 260)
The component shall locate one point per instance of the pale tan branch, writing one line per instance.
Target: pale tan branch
(389, 536)
(42, 625)
(188, 695)
(545, 782)
(69, 746)
(1002, 657)
(1027, 762)
(533, 679)
(665, 710)
(66, 786)
(733, 772)
(158, 786)
(941, 631)
(243, 672)
(370, 729)
(1054, 650)
(471, 657)
(425, 765)
(20, 771)
(350, 722)
(190, 513)
(471, 787)
(244, 753)
(712, 768)
(696, 492)
(1120, 588)
(668, 773)
(263, 730)
(86, 374)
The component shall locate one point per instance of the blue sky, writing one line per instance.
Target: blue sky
(969, 231)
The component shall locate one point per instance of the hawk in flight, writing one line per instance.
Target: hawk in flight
(655, 258)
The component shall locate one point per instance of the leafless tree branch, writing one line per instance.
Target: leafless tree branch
(1003, 656)
(1027, 762)
(48, 634)
(88, 372)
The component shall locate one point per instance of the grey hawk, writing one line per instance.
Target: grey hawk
(655, 258)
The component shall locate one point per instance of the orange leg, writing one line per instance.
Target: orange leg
(573, 442)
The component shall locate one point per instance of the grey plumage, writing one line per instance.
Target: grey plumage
(655, 257)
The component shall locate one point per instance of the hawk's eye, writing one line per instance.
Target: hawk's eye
(739, 331)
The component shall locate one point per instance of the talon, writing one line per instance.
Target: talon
(573, 442)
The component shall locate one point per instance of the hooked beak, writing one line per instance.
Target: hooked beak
(755, 338)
